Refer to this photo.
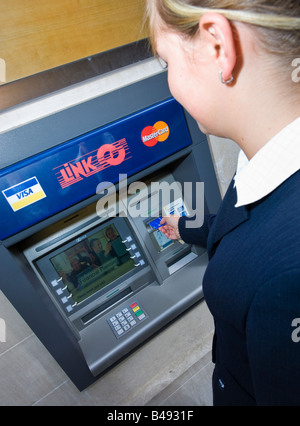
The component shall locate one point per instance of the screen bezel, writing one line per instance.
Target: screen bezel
(49, 274)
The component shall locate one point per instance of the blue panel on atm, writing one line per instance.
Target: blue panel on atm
(60, 177)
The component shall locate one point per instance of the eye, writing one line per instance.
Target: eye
(163, 63)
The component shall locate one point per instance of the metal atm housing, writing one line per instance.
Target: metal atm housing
(89, 177)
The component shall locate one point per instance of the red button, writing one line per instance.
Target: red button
(133, 305)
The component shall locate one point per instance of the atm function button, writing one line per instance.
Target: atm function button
(127, 240)
(140, 263)
(141, 316)
(133, 305)
(139, 313)
(69, 308)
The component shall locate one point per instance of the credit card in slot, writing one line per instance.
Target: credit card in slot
(155, 224)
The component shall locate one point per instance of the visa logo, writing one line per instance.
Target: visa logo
(24, 194)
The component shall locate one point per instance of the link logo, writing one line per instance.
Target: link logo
(2, 331)
(107, 155)
(151, 135)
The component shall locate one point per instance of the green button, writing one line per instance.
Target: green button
(138, 313)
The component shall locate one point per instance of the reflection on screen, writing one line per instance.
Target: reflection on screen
(93, 263)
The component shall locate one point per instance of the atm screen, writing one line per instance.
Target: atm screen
(90, 263)
(93, 263)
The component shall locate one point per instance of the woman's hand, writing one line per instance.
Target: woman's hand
(170, 227)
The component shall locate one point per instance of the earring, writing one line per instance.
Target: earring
(222, 79)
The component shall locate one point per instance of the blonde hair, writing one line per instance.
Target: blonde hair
(278, 20)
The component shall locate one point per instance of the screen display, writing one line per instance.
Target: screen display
(93, 262)
(176, 207)
(161, 240)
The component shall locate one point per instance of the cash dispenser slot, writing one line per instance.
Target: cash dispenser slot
(93, 275)
(96, 312)
(181, 261)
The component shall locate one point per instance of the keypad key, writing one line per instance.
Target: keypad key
(122, 322)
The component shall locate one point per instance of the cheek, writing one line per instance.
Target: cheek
(181, 92)
(185, 88)
(177, 87)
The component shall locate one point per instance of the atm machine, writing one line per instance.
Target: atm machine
(82, 192)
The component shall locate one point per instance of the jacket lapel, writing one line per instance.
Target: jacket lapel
(227, 219)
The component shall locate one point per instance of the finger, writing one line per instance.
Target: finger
(163, 221)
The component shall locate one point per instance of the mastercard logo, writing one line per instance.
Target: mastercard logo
(151, 135)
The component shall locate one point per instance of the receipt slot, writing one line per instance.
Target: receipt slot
(82, 258)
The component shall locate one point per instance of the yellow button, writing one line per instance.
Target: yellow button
(137, 308)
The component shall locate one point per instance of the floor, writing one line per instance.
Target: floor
(192, 388)
(171, 369)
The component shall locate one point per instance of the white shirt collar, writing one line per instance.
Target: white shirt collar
(278, 160)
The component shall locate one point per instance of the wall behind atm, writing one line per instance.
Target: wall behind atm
(32, 30)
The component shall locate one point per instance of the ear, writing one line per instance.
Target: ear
(216, 30)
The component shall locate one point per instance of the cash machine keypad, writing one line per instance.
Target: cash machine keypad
(125, 320)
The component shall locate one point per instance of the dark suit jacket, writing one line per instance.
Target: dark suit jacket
(252, 288)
